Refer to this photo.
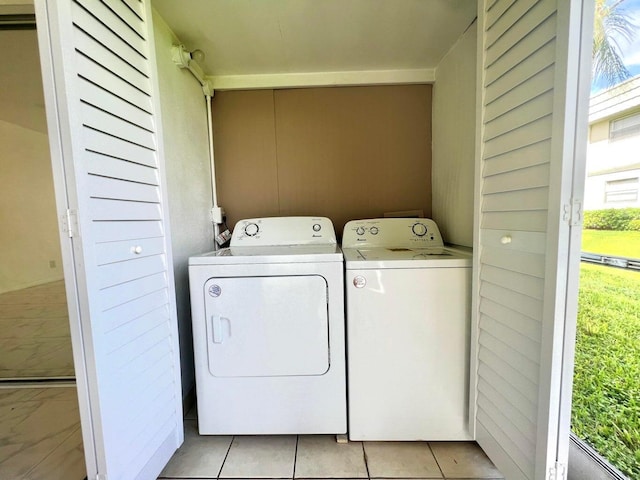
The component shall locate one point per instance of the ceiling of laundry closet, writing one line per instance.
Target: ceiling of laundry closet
(245, 37)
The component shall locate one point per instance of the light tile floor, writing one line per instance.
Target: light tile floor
(34, 333)
(40, 437)
(320, 457)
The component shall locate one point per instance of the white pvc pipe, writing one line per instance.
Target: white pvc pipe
(214, 190)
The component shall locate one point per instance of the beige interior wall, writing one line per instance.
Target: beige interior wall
(29, 242)
(454, 109)
(342, 152)
(245, 154)
(186, 149)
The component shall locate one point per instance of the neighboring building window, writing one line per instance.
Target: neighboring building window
(624, 190)
(624, 127)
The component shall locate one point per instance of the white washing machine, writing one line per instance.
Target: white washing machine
(408, 326)
(268, 329)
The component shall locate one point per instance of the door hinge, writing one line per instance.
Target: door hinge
(572, 213)
(70, 223)
(558, 472)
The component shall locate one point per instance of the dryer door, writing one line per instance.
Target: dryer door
(267, 326)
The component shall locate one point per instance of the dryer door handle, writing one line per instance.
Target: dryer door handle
(216, 328)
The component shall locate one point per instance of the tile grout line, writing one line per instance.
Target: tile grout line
(366, 464)
(436, 459)
(225, 457)
(295, 457)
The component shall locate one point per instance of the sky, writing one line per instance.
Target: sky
(630, 50)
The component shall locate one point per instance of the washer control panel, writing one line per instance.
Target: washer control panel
(281, 231)
(392, 232)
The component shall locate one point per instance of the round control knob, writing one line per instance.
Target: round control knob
(419, 229)
(316, 227)
(373, 230)
(360, 230)
(251, 229)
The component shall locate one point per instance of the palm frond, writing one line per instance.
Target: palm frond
(612, 24)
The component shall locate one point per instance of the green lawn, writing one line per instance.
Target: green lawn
(620, 244)
(606, 398)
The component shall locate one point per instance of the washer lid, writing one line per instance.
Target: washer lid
(401, 257)
(272, 254)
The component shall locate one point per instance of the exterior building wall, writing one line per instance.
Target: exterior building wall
(613, 166)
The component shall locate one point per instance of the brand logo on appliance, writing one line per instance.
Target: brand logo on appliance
(215, 290)
(359, 281)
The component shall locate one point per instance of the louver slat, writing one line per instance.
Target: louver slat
(525, 325)
(525, 421)
(136, 7)
(510, 16)
(517, 180)
(521, 52)
(494, 422)
(109, 167)
(525, 284)
(92, 26)
(522, 27)
(123, 310)
(516, 201)
(496, 383)
(114, 23)
(531, 221)
(113, 231)
(100, 98)
(107, 79)
(496, 10)
(115, 274)
(90, 48)
(517, 99)
(129, 17)
(521, 72)
(520, 429)
(537, 108)
(111, 125)
(126, 294)
(526, 156)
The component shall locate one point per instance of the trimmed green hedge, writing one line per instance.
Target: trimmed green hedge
(612, 219)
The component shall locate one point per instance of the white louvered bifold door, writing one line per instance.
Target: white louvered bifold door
(100, 79)
(530, 55)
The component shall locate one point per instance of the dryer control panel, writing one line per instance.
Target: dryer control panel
(392, 232)
(282, 231)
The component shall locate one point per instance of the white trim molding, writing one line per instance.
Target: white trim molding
(322, 79)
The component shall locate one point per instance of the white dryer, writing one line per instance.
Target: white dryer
(268, 330)
(408, 326)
